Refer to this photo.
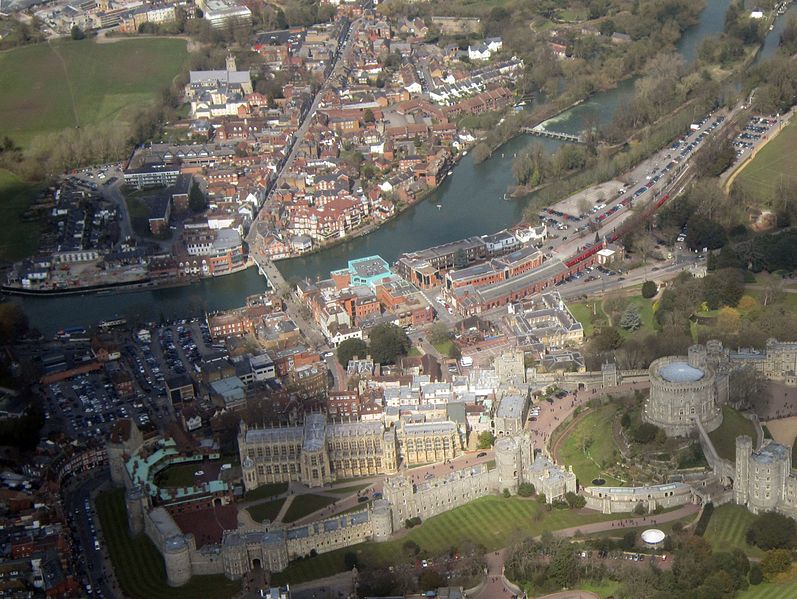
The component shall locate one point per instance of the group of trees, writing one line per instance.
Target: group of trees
(534, 166)
(388, 342)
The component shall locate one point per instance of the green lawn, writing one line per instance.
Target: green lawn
(727, 527)
(179, 475)
(490, 521)
(584, 314)
(267, 510)
(265, 491)
(21, 239)
(645, 308)
(770, 590)
(776, 162)
(596, 426)
(446, 348)
(303, 505)
(604, 588)
(138, 565)
(733, 425)
(45, 88)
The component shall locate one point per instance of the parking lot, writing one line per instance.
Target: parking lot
(756, 131)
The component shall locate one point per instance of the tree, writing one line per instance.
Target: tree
(639, 509)
(196, 199)
(439, 333)
(748, 388)
(431, 579)
(771, 530)
(350, 348)
(562, 569)
(388, 342)
(486, 440)
(525, 490)
(13, 322)
(649, 289)
(630, 320)
(77, 33)
(481, 152)
(776, 561)
(350, 560)
(368, 116)
(506, 494)
(574, 500)
(644, 432)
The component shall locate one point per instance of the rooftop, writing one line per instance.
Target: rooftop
(680, 372)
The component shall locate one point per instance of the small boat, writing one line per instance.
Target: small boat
(465, 153)
(771, 27)
(449, 173)
(521, 103)
(439, 206)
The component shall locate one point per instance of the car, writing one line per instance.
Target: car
(481, 454)
(328, 354)
(362, 499)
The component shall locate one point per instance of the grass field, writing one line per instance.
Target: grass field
(446, 348)
(45, 88)
(267, 510)
(776, 162)
(733, 425)
(490, 521)
(265, 491)
(179, 475)
(303, 505)
(348, 490)
(770, 590)
(596, 426)
(138, 565)
(727, 528)
(15, 197)
(583, 313)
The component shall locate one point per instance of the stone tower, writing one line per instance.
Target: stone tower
(609, 374)
(741, 482)
(135, 501)
(508, 463)
(177, 560)
(697, 356)
(230, 63)
(382, 520)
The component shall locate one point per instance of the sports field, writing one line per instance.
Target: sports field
(138, 565)
(590, 445)
(490, 521)
(15, 197)
(727, 528)
(776, 162)
(45, 88)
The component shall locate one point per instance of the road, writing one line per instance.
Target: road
(97, 564)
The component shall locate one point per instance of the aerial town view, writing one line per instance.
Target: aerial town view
(449, 299)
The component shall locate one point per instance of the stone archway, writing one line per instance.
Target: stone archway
(256, 564)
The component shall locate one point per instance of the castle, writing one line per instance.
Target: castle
(317, 456)
(764, 478)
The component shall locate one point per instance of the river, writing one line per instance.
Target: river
(471, 203)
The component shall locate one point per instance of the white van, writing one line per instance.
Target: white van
(466, 361)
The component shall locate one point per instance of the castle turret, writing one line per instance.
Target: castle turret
(135, 500)
(508, 463)
(177, 559)
(382, 520)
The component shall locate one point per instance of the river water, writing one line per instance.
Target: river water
(470, 203)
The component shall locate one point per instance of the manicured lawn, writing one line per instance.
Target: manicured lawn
(265, 511)
(447, 348)
(265, 491)
(302, 505)
(604, 588)
(727, 527)
(733, 425)
(596, 426)
(584, 314)
(45, 88)
(776, 162)
(645, 308)
(180, 475)
(138, 565)
(771, 590)
(490, 521)
(20, 238)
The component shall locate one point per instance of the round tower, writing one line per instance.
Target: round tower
(507, 462)
(134, 501)
(177, 559)
(382, 520)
